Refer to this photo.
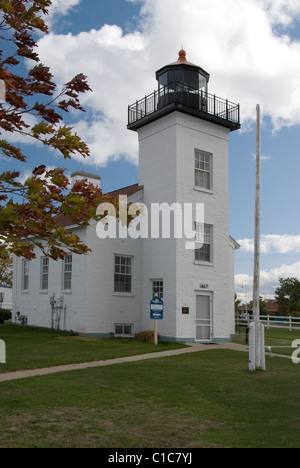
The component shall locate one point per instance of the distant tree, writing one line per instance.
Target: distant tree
(237, 302)
(28, 210)
(262, 306)
(288, 295)
(6, 268)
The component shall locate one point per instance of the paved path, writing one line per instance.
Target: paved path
(193, 348)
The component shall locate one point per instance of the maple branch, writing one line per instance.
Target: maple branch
(30, 223)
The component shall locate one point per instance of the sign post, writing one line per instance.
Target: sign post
(156, 313)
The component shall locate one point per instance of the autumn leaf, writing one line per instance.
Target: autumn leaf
(30, 210)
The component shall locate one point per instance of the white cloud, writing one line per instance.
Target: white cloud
(28, 173)
(17, 138)
(104, 136)
(59, 8)
(268, 281)
(111, 61)
(281, 11)
(236, 41)
(22, 179)
(273, 243)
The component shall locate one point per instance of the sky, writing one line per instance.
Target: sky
(251, 48)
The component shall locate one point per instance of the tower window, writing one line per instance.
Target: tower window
(203, 170)
(204, 253)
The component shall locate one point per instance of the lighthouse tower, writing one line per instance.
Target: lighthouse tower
(183, 134)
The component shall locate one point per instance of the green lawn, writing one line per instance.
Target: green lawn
(31, 348)
(205, 399)
(279, 339)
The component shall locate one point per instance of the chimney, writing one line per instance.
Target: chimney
(91, 178)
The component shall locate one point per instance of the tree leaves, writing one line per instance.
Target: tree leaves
(288, 295)
(30, 211)
(6, 267)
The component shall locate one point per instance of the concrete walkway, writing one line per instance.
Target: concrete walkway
(193, 348)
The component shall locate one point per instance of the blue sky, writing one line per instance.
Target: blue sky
(253, 57)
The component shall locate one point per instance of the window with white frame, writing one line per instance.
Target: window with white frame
(25, 274)
(205, 239)
(203, 170)
(67, 272)
(44, 273)
(158, 288)
(123, 330)
(123, 274)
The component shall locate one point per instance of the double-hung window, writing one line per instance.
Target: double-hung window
(204, 236)
(67, 273)
(25, 274)
(203, 170)
(123, 274)
(44, 273)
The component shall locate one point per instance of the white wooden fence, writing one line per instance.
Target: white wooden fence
(289, 323)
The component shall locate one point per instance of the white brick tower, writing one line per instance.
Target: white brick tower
(183, 136)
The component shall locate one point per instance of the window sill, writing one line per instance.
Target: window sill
(67, 291)
(198, 262)
(200, 189)
(123, 294)
(25, 291)
(44, 291)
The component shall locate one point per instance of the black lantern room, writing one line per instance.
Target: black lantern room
(183, 87)
(184, 73)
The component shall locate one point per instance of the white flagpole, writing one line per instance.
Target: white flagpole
(257, 342)
(256, 276)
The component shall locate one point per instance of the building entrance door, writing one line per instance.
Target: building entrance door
(203, 317)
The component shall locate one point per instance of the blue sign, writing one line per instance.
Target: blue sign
(157, 309)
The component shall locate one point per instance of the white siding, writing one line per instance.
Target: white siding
(35, 303)
(106, 307)
(167, 163)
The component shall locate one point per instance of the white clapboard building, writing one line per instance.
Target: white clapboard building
(183, 134)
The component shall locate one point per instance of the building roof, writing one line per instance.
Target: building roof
(235, 245)
(271, 305)
(64, 221)
(130, 190)
(86, 174)
(182, 60)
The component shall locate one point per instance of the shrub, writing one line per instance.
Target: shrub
(145, 336)
(5, 314)
(295, 313)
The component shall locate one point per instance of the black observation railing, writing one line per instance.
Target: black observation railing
(183, 95)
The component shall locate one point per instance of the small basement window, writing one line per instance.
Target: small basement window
(123, 330)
